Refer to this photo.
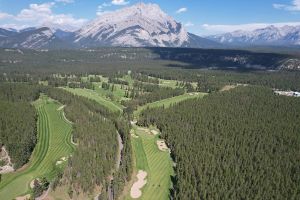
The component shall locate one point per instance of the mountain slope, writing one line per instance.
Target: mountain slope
(6, 33)
(33, 39)
(271, 35)
(141, 25)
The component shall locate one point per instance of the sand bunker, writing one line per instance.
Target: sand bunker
(161, 144)
(60, 108)
(133, 122)
(154, 132)
(32, 183)
(63, 159)
(135, 191)
(26, 197)
(134, 135)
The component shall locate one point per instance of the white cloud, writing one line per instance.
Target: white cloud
(245, 27)
(293, 6)
(5, 15)
(189, 24)
(100, 9)
(65, 1)
(43, 15)
(119, 2)
(181, 10)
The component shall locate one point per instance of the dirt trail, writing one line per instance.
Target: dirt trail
(119, 156)
(44, 195)
(118, 163)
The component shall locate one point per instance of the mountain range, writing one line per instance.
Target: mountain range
(269, 36)
(142, 25)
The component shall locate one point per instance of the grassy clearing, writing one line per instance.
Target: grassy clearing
(156, 163)
(168, 102)
(90, 94)
(54, 142)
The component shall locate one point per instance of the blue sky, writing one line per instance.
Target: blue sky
(201, 17)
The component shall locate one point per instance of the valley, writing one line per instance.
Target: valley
(125, 100)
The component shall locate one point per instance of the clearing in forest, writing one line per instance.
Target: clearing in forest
(157, 164)
(92, 95)
(168, 102)
(54, 143)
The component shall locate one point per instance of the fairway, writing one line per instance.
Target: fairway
(168, 102)
(54, 142)
(156, 163)
(90, 94)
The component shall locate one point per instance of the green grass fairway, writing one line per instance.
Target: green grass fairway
(168, 102)
(118, 92)
(156, 163)
(90, 94)
(54, 142)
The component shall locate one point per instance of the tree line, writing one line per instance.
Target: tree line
(18, 121)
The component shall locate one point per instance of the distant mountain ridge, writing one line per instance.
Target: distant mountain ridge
(269, 36)
(141, 25)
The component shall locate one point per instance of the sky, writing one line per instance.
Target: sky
(201, 17)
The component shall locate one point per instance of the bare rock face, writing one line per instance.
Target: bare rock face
(141, 25)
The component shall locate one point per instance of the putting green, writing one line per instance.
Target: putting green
(54, 143)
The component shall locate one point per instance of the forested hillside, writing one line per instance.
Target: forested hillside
(240, 144)
(18, 132)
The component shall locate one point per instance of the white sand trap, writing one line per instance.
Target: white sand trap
(162, 145)
(134, 136)
(60, 108)
(133, 122)
(32, 184)
(135, 191)
(26, 197)
(63, 159)
(154, 132)
(59, 162)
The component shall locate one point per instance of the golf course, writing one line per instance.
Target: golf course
(153, 167)
(169, 101)
(54, 144)
(156, 163)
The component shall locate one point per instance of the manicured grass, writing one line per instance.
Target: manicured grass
(168, 102)
(91, 94)
(118, 92)
(156, 163)
(168, 83)
(54, 142)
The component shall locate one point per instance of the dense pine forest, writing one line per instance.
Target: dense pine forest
(15, 101)
(240, 144)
